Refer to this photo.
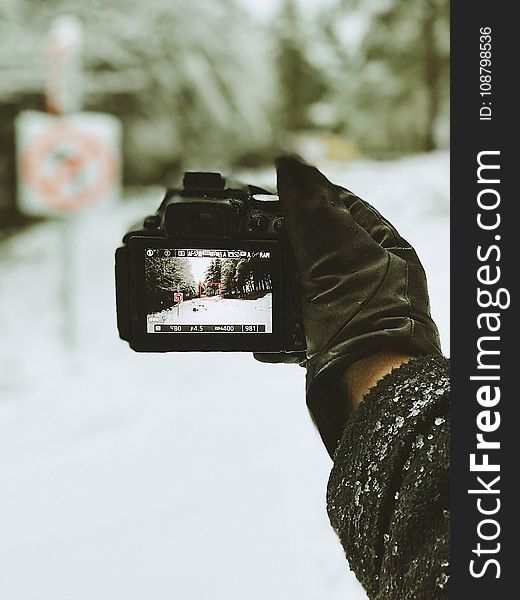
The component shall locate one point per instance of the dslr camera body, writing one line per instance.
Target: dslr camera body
(211, 270)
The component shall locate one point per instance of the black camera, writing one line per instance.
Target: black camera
(211, 270)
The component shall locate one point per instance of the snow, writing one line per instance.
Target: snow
(216, 311)
(165, 476)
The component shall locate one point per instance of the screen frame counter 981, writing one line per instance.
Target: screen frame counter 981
(142, 341)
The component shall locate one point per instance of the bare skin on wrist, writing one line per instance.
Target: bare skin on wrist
(363, 375)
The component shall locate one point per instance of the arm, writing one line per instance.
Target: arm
(388, 490)
(366, 312)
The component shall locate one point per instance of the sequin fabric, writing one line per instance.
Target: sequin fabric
(388, 492)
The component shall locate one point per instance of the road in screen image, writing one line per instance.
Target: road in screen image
(217, 311)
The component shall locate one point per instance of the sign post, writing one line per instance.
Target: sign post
(63, 73)
(178, 297)
(67, 160)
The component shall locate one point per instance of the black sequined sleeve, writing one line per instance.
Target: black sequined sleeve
(388, 492)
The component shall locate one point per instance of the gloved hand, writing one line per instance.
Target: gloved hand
(362, 285)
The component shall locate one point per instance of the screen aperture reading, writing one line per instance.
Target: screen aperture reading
(195, 290)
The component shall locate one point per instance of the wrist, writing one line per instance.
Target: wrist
(362, 375)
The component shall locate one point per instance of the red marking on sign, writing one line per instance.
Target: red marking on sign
(68, 167)
(178, 297)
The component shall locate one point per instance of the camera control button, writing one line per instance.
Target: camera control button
(278, 224)
(266, 197)
(259, 222)
(152, 222)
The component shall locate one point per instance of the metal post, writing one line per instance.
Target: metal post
(69, 262)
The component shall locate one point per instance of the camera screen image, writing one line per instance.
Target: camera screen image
(208, 291)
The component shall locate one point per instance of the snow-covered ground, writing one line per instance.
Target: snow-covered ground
(169, 476)
(216, 311)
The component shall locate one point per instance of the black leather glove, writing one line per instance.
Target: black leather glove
(363, 287)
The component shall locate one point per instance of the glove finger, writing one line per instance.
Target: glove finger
(372, 221)
(296, 178)
(295, 358)
(318, 220)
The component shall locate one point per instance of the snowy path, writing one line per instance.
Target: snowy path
(117, 481)
(216, 311)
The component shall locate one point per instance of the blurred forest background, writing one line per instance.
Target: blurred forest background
(193, 475)
(223, 83)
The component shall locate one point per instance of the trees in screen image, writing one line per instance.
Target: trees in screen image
(241, 278)
(164, 277)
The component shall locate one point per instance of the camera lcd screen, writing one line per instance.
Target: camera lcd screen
(208, 291)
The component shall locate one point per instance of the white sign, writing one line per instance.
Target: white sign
(178, 297)
(66, 163)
